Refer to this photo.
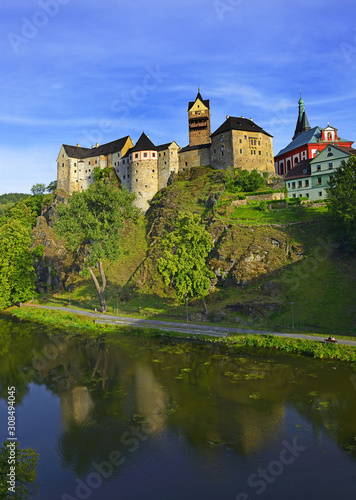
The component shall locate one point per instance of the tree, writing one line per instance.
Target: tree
(341, 202)
(92, 223)
(38, 189)
(183, 261)
(52, 186)
(26, 461)
(17, 275)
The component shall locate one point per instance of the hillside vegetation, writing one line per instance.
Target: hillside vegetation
(265, 256)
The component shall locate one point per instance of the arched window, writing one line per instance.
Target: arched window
(281, 169)
(329, 136)
(288, 165)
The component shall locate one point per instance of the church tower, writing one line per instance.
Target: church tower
(199, 121)
(302, 121)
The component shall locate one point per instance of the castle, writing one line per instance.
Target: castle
(145, 168)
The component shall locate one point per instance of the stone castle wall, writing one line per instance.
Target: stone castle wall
(194, 158)
(144, 181)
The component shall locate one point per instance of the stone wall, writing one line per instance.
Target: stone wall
(167, 163)
(194, 158)
(252, 151)
(221, 151)
(144, 181)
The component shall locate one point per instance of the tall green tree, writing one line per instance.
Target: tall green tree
(341, 202)
(184, 252)
(17, 275)
(26, 474)
(38, 189)
(92, 223)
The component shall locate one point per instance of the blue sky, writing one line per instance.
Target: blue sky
(84, 71)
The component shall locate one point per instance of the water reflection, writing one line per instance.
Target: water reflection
(121, 394)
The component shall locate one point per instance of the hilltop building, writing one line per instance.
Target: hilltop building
(238, 142)
(310, 177)
(307, 142)
(145, 168)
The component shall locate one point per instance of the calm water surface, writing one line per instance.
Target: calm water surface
(120, 417)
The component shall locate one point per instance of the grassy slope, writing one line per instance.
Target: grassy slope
(320, 285)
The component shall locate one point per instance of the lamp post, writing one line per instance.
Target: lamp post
(186, 303)
(117, 304)
(292, 317)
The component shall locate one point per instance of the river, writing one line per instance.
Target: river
(132, 418)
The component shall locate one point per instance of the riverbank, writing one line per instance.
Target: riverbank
(77, 322)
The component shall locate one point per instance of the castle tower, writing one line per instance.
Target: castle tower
(199, 121)
(142, 160)
(302, 121)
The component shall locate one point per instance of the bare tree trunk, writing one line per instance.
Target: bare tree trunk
(206, 312)
(100, 289)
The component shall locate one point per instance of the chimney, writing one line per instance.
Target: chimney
(78, 145)
(227, 117)
(97, 144)
(242, 117)
(92, 147)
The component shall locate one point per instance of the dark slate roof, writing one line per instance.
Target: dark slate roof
(236, 123)
(192, 148)
(144, 144)
(104, 149)
(163, 146)
(206, 102)
(302, 125)
(297, 171)
(310, 136)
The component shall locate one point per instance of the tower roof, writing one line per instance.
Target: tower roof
(144, 144)
(236, 123)
(206, 102)
(302, 121)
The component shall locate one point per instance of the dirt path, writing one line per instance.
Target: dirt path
(193, 328)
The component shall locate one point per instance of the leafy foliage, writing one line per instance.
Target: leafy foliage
(244, 180)
(26, 474)
(38, 189)
(12, 198)
(52, 186)
(17, 275)
(91, 224)
(341, 202)
(184, 253)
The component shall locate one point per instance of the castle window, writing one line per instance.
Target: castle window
(240, 141)
(259, 152)
(124, 177)
(123, 161)
(214, 151)
(254, 151)
(164, 154)
(293, 185)
(300, 195)
(159, 154)
(329, 136)
(75, 164)
(62, 156)
(318, 168)
(145, 155)
(251, 152)
(300, 184)
(240, 151)
(128, 176)
(75, 171)
(186, 164)
(86, 171)
(330, 165)
(307, 183)
(259, 143)
(136, 173)
(153, 155)
(136, 180)
(153, 170)
(165, 163)
(76, 180)
(320, 193)
(145, 185)
(62, 164)
(89, 170)
(319, 181)
(89, 177)
(307, 195)
(294, 195)
(245, 136)
(136, 155)
(289, 184)
(96, 162)
(222, 150)
(221, 138)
